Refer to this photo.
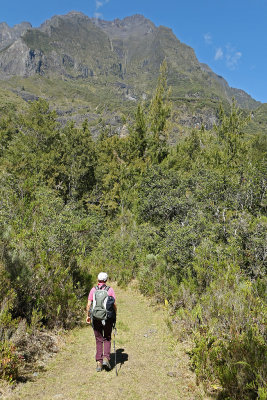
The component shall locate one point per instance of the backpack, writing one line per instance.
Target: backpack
(102, 308)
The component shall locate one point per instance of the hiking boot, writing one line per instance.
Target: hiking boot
(98, 366)
(106, 364)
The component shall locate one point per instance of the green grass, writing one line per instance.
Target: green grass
(10, 102)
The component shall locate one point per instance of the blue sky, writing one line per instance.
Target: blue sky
(228, 35)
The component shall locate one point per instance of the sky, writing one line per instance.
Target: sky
(228, 35)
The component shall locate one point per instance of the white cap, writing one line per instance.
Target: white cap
(102, 276)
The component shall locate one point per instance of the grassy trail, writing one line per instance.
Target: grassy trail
(150, 364)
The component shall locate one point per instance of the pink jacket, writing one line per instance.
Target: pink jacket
(92, 291)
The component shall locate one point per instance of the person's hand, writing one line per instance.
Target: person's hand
(88, 320)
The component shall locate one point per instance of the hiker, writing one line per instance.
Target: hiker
(101, 313)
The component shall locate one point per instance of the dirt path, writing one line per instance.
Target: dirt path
(150, 364)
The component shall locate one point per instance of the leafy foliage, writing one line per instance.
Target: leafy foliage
(188, 222)
(9, 362)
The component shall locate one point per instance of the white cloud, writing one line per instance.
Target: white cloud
(100, 3)
(229, 54)
(232, 57)
(207, 38)
(232, 60)
(218, 54)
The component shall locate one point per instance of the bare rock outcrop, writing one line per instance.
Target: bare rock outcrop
(8, 35)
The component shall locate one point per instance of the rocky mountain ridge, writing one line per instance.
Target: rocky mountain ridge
(8, 35)
(120, 58)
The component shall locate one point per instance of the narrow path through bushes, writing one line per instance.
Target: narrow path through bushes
(151, 365)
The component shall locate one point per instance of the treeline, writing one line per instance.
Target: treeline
(188, 222)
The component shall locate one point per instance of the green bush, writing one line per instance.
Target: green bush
(9, 361)
(121, 251)
(187, 221)
(230, 345)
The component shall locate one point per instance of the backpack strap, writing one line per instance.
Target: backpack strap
(104, 287)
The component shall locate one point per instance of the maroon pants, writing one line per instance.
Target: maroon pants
(103, 339)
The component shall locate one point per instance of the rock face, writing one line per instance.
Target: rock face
(9, 35)
(124, 54)
(14, 59)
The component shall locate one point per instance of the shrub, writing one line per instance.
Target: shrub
(9, 361)
(229, 340)
(122, 251)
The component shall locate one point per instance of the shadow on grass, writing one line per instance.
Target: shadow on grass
(119, 359)
(24, 379)
(30, 375)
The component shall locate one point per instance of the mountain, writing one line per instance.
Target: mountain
(258, 122)
(84, 65)
(9, 35)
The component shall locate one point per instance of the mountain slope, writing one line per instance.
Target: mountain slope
(258, 123)
(9, 35)
(116, 62)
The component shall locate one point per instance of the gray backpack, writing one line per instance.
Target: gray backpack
(100, 298)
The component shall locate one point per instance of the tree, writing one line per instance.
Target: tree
(230, 132)
(138, 135)
(159, 113)
(76, 171)
(32, 153)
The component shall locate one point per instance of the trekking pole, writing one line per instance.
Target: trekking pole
(115, 331)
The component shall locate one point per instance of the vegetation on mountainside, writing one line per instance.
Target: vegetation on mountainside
(99, 69)
(10, 102)
(258, 123)
(189, 222)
